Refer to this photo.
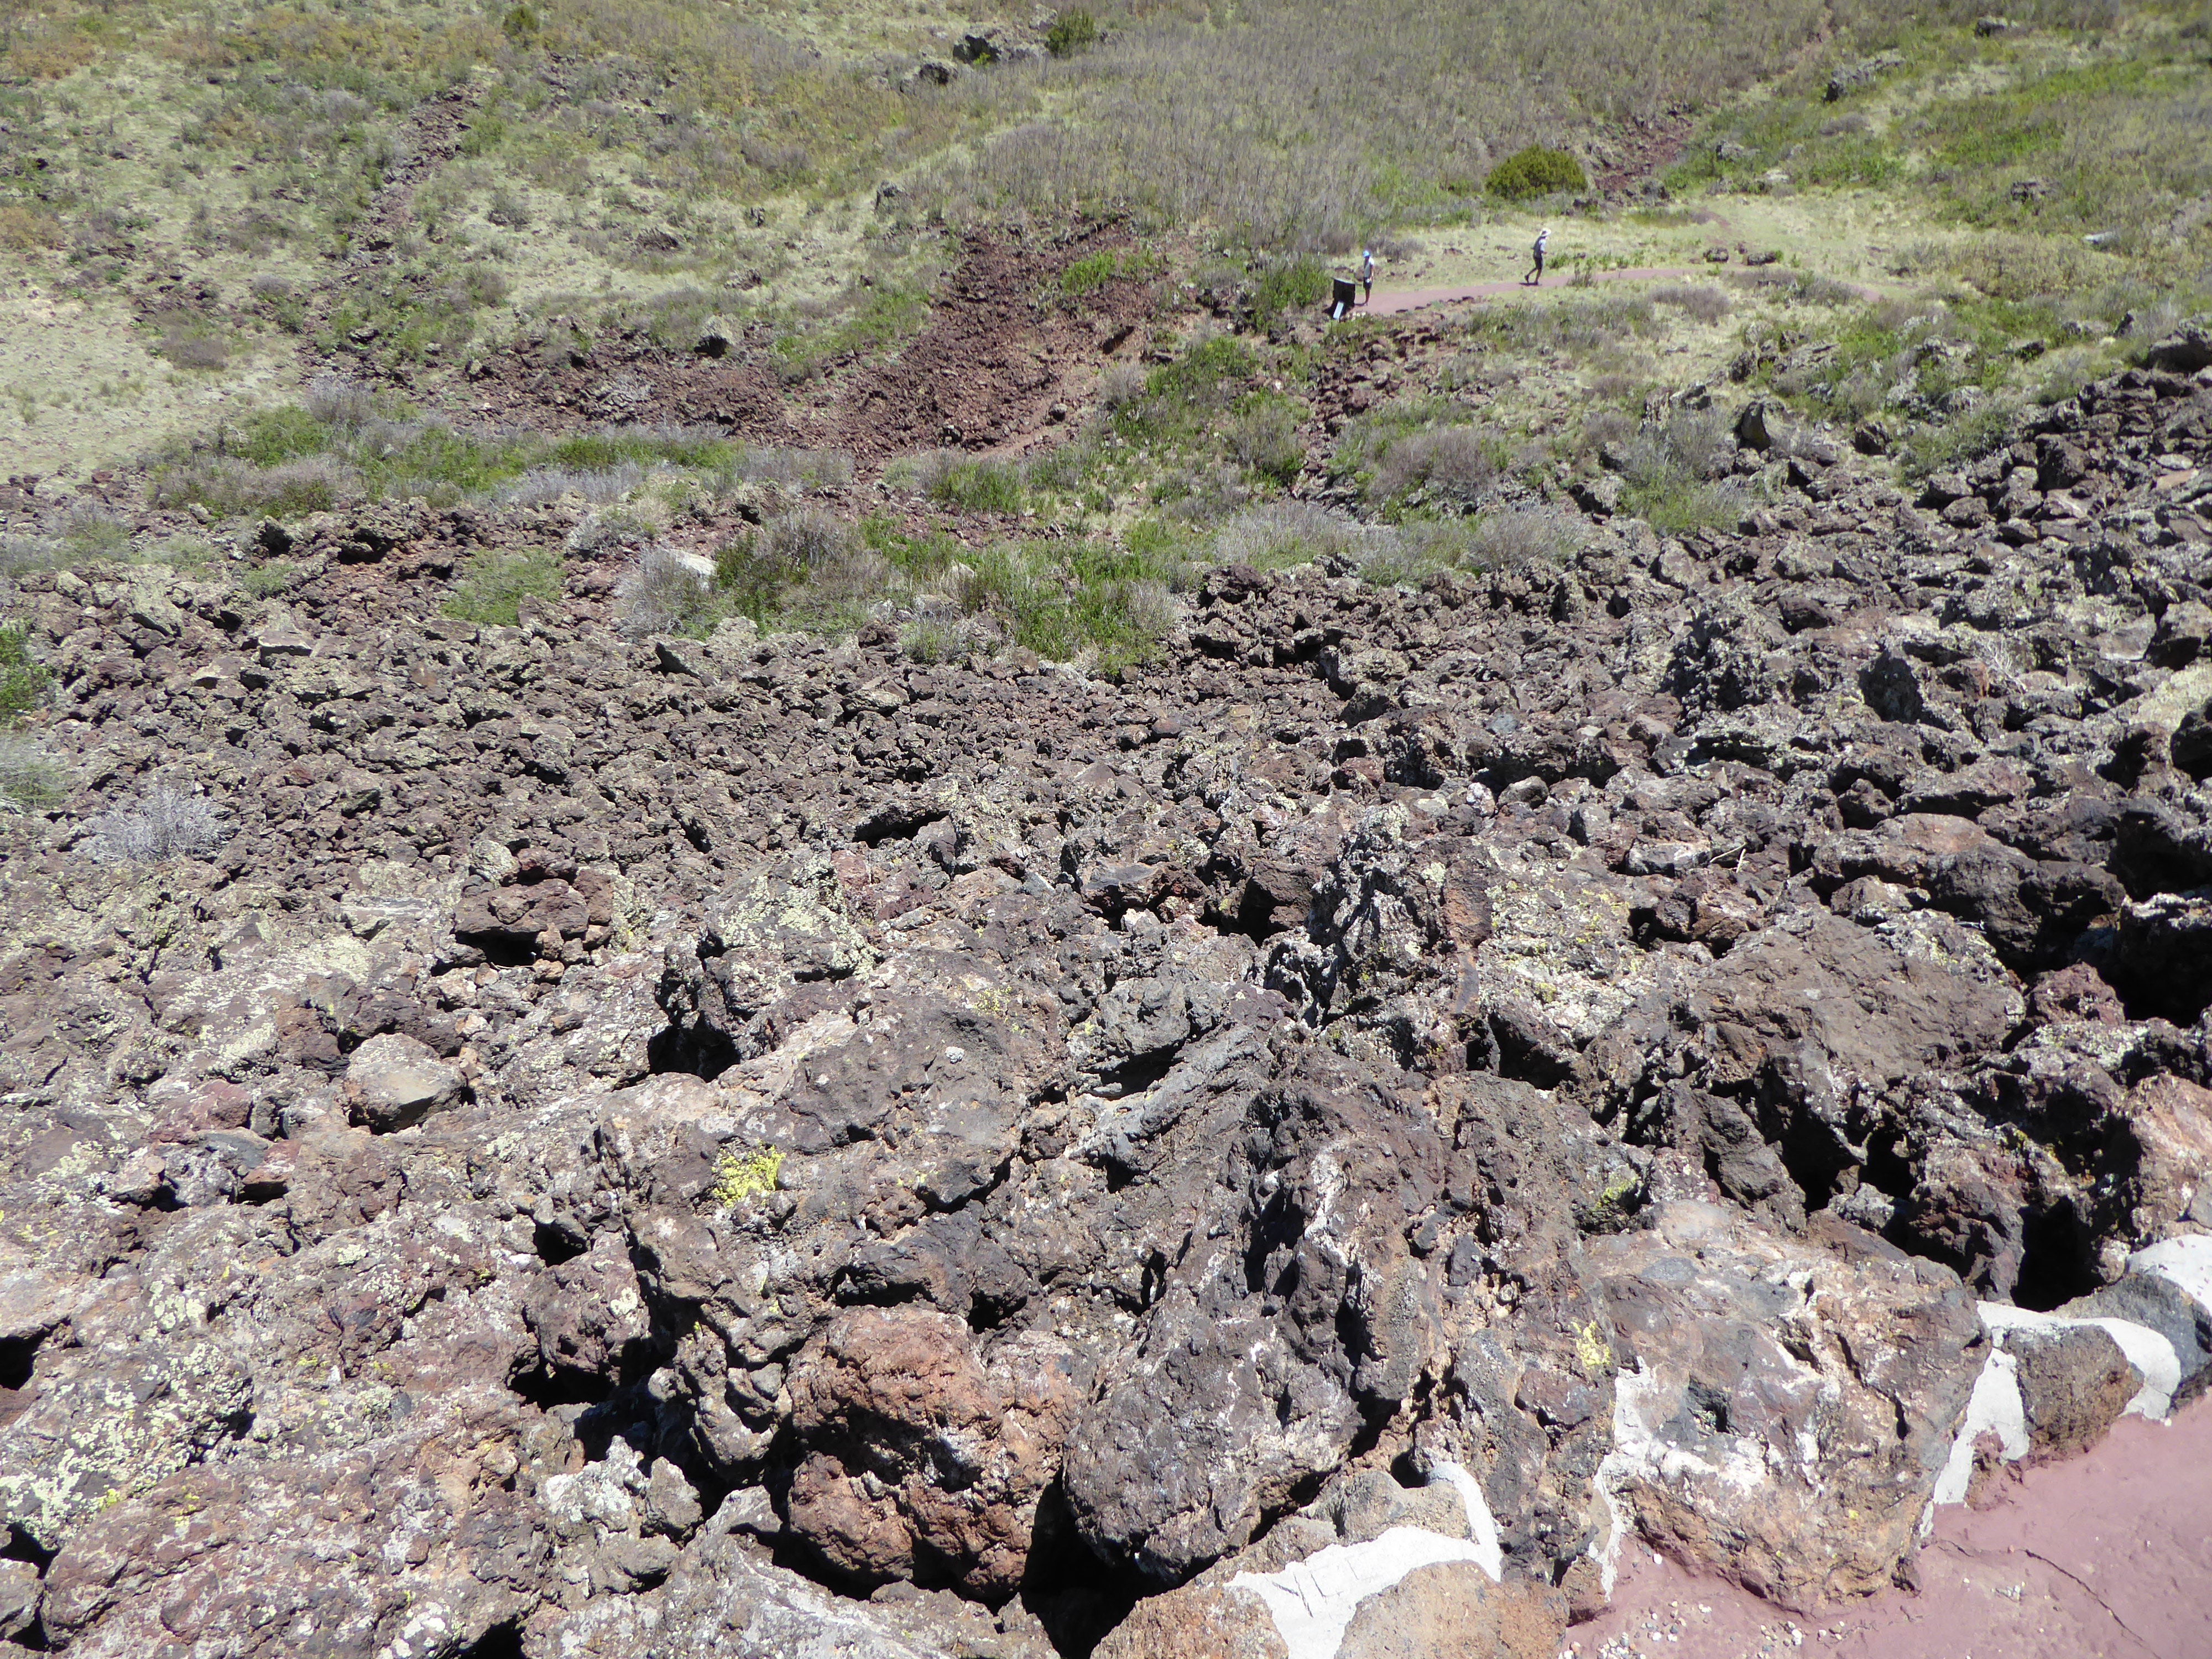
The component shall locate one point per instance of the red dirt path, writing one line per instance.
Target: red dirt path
(2106, 1555)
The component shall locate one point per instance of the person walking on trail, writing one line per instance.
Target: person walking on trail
(1543, 241)
(1366, 274)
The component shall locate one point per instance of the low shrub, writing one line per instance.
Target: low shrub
(1284, 533)
(973, 486)
(31, 776)
(1702, 300)
(277, 435)
(1580, 325)
(937, 638)
(1401, 556)
(262, 579)
(20, 555)
(754, 579)
(232, 488)
(24, 229)
(1265, 440)
(1455, 463)
(1065, 469)
(661, 594)
(613, 531)
(1070, 31)
(1120, 385)
(24, 680)
(1673, 471)
(600, 485)
(187, 346)
(164, 824)
(792, 469)
(810, 539)
(1520, 537)
(1284, 285)
(91, 532)
(1535, 172)
(491, 591)
(343, 405)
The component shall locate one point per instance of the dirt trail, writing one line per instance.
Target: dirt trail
(1389, 303)
(2108, 1553)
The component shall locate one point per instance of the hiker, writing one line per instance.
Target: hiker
(1543, 240)
(1367, 274)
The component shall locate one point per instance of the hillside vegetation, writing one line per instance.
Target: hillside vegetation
(410, 206)
(795, 859)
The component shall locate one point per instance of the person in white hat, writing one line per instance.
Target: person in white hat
(1366, 274)
(1543, 241)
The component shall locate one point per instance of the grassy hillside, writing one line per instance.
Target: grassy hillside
(291, 257)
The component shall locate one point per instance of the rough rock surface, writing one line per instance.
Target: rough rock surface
(635, 1148)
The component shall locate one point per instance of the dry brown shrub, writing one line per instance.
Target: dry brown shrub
(48, 55)
(1454, 461)
(191, 349)
(1702, 300)
(22, 229)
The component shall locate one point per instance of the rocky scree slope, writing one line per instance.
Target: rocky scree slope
(764, 1147)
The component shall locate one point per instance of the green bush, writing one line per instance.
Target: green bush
(492, 592)
(755, 578)
(276, 436)
(23, 681)
(1535, 172)
(1288, 285)
(1072, 32)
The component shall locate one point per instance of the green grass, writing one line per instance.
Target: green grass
(491, 590)
(1093, 597)
(1090, 273)
(286, 462)
(1674, 505)
(276, 436)
(866, 326)
(754, 580)
(2099, 132)
(1182, 398)
(982, 486)
(260, 580)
